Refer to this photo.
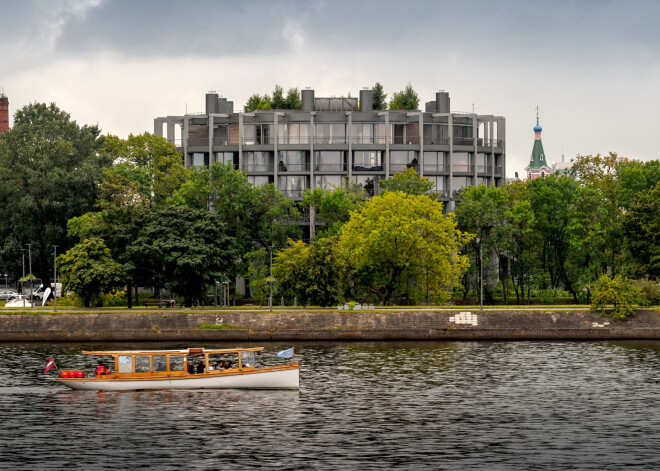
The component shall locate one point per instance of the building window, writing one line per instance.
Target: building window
(293, 161)
(259, 161)
(257, 134)
(221, 135)
(224, 158)
(293, 133)
(435, 162)
(460, 182)
(436, 134)
(330, 133)
(326, 182)
(293, 186)
(368, 133)
(370, 184)
(398, 133)
(400, 160)
(200, 160)
(329, 161)
(259, 180)
(461, 162)
(370, 160)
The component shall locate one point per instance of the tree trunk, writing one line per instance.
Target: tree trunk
(129, 291)
(137, 298)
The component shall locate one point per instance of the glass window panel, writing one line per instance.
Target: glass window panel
(247, 359)
(461, 182)
(142, 363)
(177, 363)
(198, 159)
(125, 364)
(332, 161)
(248, 133)
(159, 362)
(367, 160)
(327, 181)
(304, 133)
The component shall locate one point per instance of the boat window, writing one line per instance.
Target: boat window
(247, 359)
(125, 364)
(177, 362)
(159, 362)
(141, 363)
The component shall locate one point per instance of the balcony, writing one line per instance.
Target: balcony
(396, 168)
(282, 167)
(498, 170)
(440, 193)
(263, 168)
(293, 193)
(436, 141)
(258, 141)
(330, 140)
(220, 141)
(483, 169)
(338, 167)
(463, 141)
(294, 140)
(461, 168)
(368, 139)
(435, 168)
(367, 168)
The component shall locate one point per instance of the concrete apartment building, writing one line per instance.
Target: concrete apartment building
(332, 138)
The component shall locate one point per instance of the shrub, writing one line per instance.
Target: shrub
(619, 292)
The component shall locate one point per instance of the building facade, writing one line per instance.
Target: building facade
(333, 138)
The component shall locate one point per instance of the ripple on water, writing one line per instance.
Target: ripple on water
(381, 405)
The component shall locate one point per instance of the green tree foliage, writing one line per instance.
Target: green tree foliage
(185, 249)
(50, 168)
(633, 178)
(259, 275)
(277, 102)
(406, 99)
(292, 100)
(408, 182)
(88, 270)
(379, 97)
(152, 161)
(315, 273)
(618, 292)
(641, 228)
(257, 102)
(398, 237)
(333, 206)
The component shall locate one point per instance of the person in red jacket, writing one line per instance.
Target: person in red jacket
(101, 370)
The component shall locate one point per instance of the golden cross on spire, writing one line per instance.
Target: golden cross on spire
(537, 112)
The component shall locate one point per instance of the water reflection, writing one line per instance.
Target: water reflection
(451, 405)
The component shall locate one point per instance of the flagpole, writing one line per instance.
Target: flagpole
(293, 355)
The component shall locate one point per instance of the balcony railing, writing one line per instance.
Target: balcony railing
(368, 139)
(294, 140)
(220, 141)
(395, 168)
(339, 167)
(367, 168)
(498, 170)
(436, 141)
(282, 167)
(256, 141)
(440, 193)
(435, 168)
(483, 168)
(293, 193)
(330, 140)
(459, 168)
(463, 141)
(259, 167)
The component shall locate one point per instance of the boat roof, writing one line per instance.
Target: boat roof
(196, 351)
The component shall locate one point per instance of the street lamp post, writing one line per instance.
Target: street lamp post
(54, 277)
(23, 250)
(270, 281)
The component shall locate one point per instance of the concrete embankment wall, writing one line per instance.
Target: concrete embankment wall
(328, 325)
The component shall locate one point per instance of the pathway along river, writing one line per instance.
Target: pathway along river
(381, 405)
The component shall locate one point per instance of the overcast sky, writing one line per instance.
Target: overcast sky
(593, 67)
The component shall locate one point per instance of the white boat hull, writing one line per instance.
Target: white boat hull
(254, 379)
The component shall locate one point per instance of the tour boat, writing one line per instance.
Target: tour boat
(192, 368)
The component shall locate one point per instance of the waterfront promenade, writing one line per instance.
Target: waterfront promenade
(303, 324)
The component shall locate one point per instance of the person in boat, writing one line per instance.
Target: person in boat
(191, 368)
(200, 366)
(220, 365)
(101, 370)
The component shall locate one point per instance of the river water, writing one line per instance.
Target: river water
(380, 405)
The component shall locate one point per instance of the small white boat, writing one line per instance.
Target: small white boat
(192, 368)
(18, 301)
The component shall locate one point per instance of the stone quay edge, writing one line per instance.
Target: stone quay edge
(183, 325)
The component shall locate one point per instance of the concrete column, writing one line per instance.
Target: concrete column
(276, 156)
(475, 149)
(420, 160)
(184, 139)
(170, 132)
(450, 179)
(387, 144)
(349, 133)
(312, 183)
(240, 141)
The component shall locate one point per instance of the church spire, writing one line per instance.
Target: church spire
(538, 166)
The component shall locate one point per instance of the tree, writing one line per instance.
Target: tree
(186, 250)
(88, 270)
(641, 229)
(257, 102)
(406, 99)
(333, 206)
(50, 169)
(154, 163)
(258, 275)
(408, 182)
(619, 292)
(396, 237)
(277, 102)
(634, 177)
(292, 100)
(315, 273)
(379, 97)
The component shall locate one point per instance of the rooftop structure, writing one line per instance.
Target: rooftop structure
(4, 112)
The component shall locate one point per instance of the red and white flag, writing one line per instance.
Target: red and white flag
(50, 365)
